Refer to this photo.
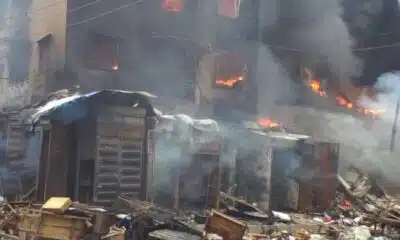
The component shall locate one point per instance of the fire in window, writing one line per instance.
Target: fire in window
(104, 53)
(172, 5)
(229, 8)
(229, 70)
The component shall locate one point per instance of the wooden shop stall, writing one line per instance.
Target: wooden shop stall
(317, 188)
(200, 181)
(96, 147)
(283, 171)
(191, 156)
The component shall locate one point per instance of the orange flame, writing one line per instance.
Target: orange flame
(344, 102)
(316, 87)
(267, 123)
(372, 112)
(231, 82)
(172, 5)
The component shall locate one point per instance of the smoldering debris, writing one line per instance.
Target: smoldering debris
(361, 209)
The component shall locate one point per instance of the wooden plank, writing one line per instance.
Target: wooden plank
(130, 178)
(56, 177)
(131, 135)
(52, 226)
(122, 111)
(132, 121)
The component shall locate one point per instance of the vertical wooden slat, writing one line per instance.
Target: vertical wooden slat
(56, 176)
(42, 171)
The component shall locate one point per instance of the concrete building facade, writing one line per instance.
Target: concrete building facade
(14, 51)
(145, 45)
(5, 35)
(208, 56)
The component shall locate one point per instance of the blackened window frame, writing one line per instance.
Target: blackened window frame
(219, 57)
(45, 53)
(97, 41)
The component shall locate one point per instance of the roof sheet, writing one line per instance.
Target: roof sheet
(73, 107)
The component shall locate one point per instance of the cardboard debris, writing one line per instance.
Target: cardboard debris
(57, 204)
(223, 225)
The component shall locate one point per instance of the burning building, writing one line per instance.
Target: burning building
(91, 45)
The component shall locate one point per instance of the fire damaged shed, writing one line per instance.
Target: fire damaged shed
(96, 146)
(285, 171)
(188, 161)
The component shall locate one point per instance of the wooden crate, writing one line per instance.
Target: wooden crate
(226, 227)
(48, 225)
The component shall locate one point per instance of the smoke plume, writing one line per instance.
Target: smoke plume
(388, 87)
(321, 31)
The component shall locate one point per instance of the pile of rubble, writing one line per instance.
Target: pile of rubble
(362, 210)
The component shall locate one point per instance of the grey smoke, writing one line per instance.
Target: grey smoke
(388, 87)
(174, 151)
(364, 143)
(320, 30)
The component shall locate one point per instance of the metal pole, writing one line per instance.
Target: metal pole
(394, 128)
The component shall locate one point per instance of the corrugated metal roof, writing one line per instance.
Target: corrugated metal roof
(53, 105)
(206, 125)
(71, 107)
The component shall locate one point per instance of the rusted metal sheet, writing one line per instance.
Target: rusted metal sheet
(322, 160)
(326, 160)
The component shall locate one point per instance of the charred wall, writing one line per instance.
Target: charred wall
(19, 45)
(156, 48)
